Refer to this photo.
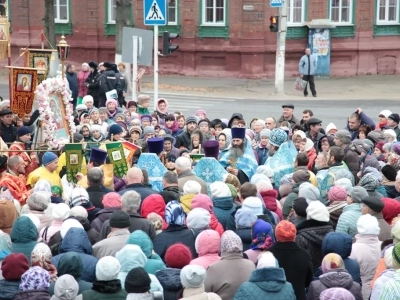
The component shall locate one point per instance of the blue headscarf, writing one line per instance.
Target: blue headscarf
(5, 245)
(174, 213)
(262, 236)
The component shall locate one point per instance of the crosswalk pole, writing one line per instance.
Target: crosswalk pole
(280, 51)
(135, 68)
(155, 66)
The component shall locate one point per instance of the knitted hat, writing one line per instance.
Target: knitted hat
(388, 256)
(48, 158)
(203, 201)
(78, 211)
(265, 133)
(137, 281)
(317, 211)
(267, 260)
(301, 175)
(285, 231)
(177, 256)
(254, 204)
(60, 211)
(191, 119)
(219, 189)
(330, 127)
(336, 293)
(344, 136)
(114, 129)
(193, 276)
(136, 129)
(66, 287)
(112, 199)
(41, 256)
(367, 224)
(107, 268)
(191, 187)
(389, 172)
(38, 201)
(112, 101)
(14, 265)
(96, 127)
(395, 118)
(369, 182)
(337, 193)
(198, 218)
(245, 218)
(231, 242)
(309, 191)
(285, 189)
(386, 113)
(395, 254)
(120, 219)
(87, 98)
(68, 224)
(357, 193)
(78, 137)
(35, 278)
(143, 99)
(200, 112)
(346, 183)
(300, 206)
(23, 130)
(79, 196)
(263, 186)
(277, 137)
(148, 129)
(8, 214)
(81, 107)
(374, 203)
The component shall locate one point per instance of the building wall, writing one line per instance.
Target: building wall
(248, 50)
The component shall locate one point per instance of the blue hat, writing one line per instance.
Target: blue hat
(277, 137)
(114, 129)
(211, 149)
(238, 133)
(155, 145)
(98, 155)
(146, 117)
(48, 158)
(23, 130)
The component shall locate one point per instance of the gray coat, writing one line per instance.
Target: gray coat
(303, 65)
(189, 175)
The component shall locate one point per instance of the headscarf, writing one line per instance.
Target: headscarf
(175, 127)
(174, 214)
(231, 242)
(5, 245)
(262, 236)
(41, 257)
(369, 182)
(43, 186)
(35, 278)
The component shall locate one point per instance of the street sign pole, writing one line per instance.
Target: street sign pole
(155, 66)
(135, 68)
(280, 50)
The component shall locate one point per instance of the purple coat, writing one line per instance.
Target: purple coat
(102, 216)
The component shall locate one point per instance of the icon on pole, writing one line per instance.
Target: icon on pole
(167, 46)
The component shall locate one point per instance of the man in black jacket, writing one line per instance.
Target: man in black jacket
(93, 83)
(8, 130)
(73, 82)
(171, 189)
(122, 88)
(183, 140)
(96, 189)
(108, 81)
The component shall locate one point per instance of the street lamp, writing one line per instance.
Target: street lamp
(63, 52)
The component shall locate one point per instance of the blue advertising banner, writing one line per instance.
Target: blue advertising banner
(319, 41)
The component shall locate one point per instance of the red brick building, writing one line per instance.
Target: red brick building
(226, 37)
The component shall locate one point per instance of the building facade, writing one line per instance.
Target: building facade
(226, 37)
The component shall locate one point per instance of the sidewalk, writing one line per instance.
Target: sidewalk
(374, 87)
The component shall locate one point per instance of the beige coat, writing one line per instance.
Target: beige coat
(199, 294)
(225, 277)
(115, 241)
(189, 175)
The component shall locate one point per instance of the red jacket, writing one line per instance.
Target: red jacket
(312, 155)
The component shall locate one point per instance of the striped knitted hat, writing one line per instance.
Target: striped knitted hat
(396, 254)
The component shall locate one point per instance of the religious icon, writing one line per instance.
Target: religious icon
(73, 159)
(116, 155)
(40, 63)
(24, 82)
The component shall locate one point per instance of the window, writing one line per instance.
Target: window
(388, 11)
(214, 12)
(111, 11)
(173, 12)
(295, 13)
(61, 11)
(341, 11)
(4, 9)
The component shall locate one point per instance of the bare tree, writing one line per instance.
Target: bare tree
(122, 19)
(49, 24)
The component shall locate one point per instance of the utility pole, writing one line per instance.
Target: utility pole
(280, 50)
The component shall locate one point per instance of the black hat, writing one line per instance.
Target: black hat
(211, 149)
(98, 155)
(314, 121)
(155, 145)
(93, 65)
(169, 137)
(300, 206)
(288, 106)
(120, 219)
(5, 112)
(374, 203)
(394, 117)
(238, 133)
(389, 172)
(107, 65)
(137, 281)
(78, 137)
(169, 117)
(170, 158)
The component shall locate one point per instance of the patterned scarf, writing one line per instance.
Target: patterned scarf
(35, 278)
(262, 236)
(41, 257)
(174, 214)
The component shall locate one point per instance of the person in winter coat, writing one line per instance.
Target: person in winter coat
(383, 272)
(107, 285)
(245, 218)
(295, 261)
(268, 281)
(176, 257)
(76, 240)
(176, 232)
(71, 264)
(5, 247)
(222, 201)
(347, 222)
(262, 239)
(83, 74)
(312, 232)
(219, 277)
(366, 250)
(34, 284)
(172, 124)
(93, 84)
(108, 81)
(156, 204)
(298, 178)
(337, 197)
(307, 146)
(192, 279)
(269, 196)
(154, 261)
(340, 243)
(41, 257)
(191, 188)
(37, 204)
(24, 235)
(207, 247)
(137, 285)
(111, 203)
(198, 220)
(374, 206)
(131, 256)
(66, 288)
(90, 232)
(334, 275)
(13, 266)
(72, 83)
(205, 202)
(59, 213)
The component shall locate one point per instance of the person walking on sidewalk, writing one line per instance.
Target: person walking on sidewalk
(307, 66)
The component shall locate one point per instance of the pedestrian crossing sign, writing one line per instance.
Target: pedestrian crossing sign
(155, 12)
(275, 3)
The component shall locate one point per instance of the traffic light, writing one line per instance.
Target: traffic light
(274, 24)
(168, 47)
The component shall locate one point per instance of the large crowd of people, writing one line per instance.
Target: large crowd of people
(275, 208)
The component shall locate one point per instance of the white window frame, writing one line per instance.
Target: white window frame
(386, 21)
(350, 22)
(290, 13)
(204, 10)
(57, 17)
(109, 10)
(176, 14)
